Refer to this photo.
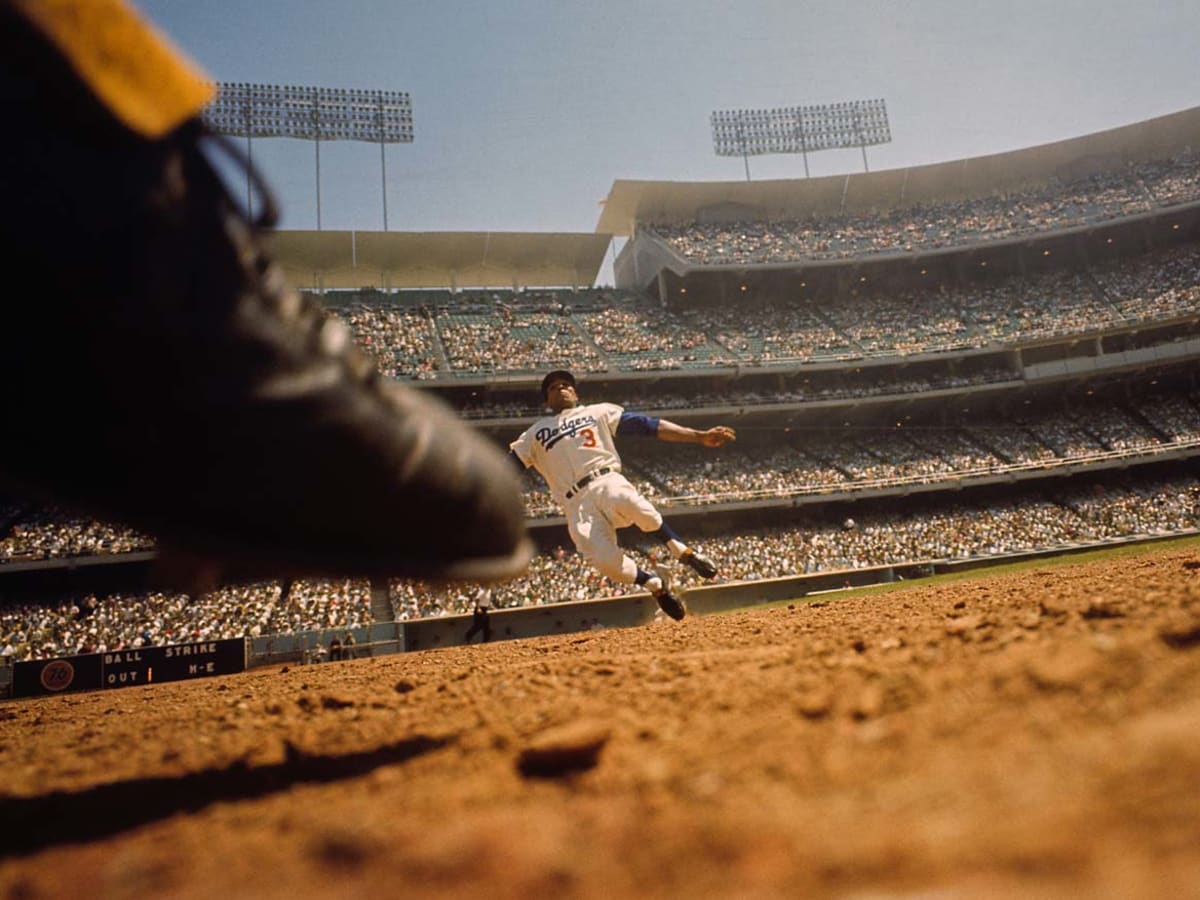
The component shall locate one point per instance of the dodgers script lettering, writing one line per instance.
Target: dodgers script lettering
(548, 437)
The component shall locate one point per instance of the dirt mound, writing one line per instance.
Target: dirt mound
(1021, 734)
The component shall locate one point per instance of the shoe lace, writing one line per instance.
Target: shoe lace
(202, 134)
(328, 332)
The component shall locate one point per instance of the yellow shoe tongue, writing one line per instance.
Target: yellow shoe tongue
(132, 69)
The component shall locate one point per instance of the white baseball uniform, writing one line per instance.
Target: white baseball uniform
(575, 451)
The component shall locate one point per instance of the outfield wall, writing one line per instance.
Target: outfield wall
(639, 609)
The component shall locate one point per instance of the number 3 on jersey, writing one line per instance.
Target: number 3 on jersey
(589, 437)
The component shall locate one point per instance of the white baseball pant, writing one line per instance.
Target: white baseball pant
(593, 517)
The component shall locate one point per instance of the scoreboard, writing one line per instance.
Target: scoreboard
(127, 668)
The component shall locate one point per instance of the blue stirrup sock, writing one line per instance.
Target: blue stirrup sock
(674, 542)
(648, 580)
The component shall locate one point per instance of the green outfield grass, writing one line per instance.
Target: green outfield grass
(1126, 551)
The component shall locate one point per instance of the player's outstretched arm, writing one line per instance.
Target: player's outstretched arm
(718, 436)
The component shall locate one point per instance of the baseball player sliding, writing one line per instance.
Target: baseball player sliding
(574, 451)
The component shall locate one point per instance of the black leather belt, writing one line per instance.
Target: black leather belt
(588, 479)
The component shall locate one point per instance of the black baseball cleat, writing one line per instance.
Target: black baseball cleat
(670, 604)
(163, 375)
(702, 565)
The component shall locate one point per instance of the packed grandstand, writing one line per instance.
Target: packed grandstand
(970, 378)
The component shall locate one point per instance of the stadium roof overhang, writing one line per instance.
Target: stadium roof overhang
(467, 259)
(631, 202)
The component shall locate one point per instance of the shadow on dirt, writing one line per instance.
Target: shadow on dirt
(35, 823)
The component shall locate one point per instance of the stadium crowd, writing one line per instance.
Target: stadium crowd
(809, 460)
(1164, 284)
(822, 460)
(403, 343)
(1090, 200)
(835, 386)
(621, 331)
(48, 532)
(1099, 511)
(100, 624)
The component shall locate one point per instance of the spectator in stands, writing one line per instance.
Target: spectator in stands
(86, 608)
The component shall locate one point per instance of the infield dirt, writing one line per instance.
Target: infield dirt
(1035, 734)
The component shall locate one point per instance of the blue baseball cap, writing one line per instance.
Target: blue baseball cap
(557, 375)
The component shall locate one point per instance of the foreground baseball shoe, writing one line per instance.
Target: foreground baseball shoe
(162, 374)
(702, 565)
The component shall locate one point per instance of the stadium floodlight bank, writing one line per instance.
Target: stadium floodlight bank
(800, 129)
(313, 114)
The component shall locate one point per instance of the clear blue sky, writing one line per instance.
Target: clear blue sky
(526, 111)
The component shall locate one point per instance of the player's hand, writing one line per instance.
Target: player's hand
(718, 436)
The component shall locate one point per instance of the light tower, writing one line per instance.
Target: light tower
(800, 129)
(313, 114)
